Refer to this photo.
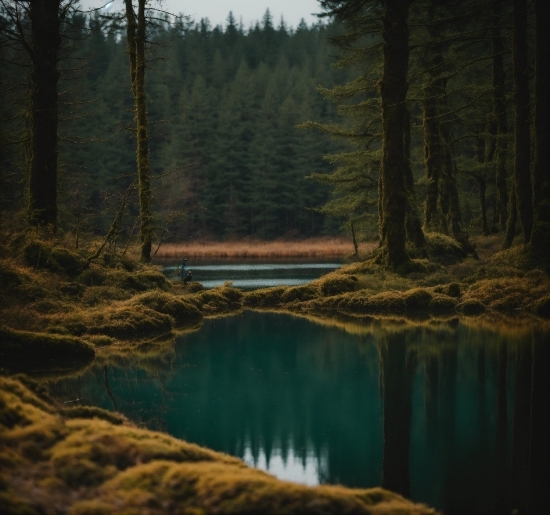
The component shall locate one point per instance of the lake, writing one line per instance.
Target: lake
(252, 274)
(453, 414)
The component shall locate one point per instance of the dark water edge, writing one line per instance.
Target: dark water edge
(453, 414)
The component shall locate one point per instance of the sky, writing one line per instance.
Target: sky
(249, 11)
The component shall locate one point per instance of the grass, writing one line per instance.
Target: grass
(86, 461)
(311, 248)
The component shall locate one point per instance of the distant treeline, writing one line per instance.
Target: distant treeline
(223, 104)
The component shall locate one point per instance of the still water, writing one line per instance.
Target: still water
(452, 414)
(250, 275)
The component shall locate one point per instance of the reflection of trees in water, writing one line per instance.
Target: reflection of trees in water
(397, 367)
(319, 397)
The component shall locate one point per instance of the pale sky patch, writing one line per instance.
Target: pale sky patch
(249, 11)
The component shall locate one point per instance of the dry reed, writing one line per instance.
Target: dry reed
(310, 248)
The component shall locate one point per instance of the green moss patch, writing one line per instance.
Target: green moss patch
(181, 309)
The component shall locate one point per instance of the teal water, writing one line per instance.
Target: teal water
(451, 414)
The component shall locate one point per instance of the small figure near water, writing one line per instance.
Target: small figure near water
(188, 278)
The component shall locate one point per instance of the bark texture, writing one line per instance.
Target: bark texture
(540, 240)
(522, 163)
(499, 113)
(393, 89)
(136, 26)
(45, 43)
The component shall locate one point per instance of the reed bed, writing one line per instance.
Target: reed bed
(311, 248)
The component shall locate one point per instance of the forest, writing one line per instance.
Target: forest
(416, 130)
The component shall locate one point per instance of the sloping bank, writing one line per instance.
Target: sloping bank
(85, 461)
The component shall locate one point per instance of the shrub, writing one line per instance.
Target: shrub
(471, 307)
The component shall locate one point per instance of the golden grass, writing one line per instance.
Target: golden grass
(311, 248)
(75, 461)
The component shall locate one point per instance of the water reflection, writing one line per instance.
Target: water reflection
(453, 415)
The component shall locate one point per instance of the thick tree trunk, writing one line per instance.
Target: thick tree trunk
(482, 157)
(136, 51)
(540, 240)
(46, 40)
(522, 164)
(393, 92)
(499, 112)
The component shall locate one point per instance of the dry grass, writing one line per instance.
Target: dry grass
(85, 461)
(312, 248)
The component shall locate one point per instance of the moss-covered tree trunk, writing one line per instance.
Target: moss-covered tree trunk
(393, 89)
(46, 40)
(136, 26)
(499, 113)
(522, 163)
(540, 239)
(512, 219)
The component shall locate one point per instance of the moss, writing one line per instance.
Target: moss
(224, 299)
(334, 284)
(299, 293)
(181, 309)
(39, 255)
(95, 295)
(417, 299)
(93, 412)
(444, 249)
(264, 297)
(92, 277)
(471, 307)
(23, 349)
(130, 322)
(442, 304)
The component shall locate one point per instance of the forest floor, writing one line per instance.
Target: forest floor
(256, 249)
(59, 312)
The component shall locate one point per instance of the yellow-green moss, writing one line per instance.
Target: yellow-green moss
(90, 466)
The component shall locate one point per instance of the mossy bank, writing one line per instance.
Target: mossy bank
(89, 461)
(58, 310)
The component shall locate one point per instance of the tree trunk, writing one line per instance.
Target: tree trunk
(540, 240)
(499, 112)
(412, 221)
(393, 88)
(433, 152)
(136, 51)
(46, 40)
(512, 219)
(522, 164)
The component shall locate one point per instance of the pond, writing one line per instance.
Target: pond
(452, 414)
(252, 274)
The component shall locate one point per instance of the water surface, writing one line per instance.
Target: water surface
(252, 274)
(451, 414)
